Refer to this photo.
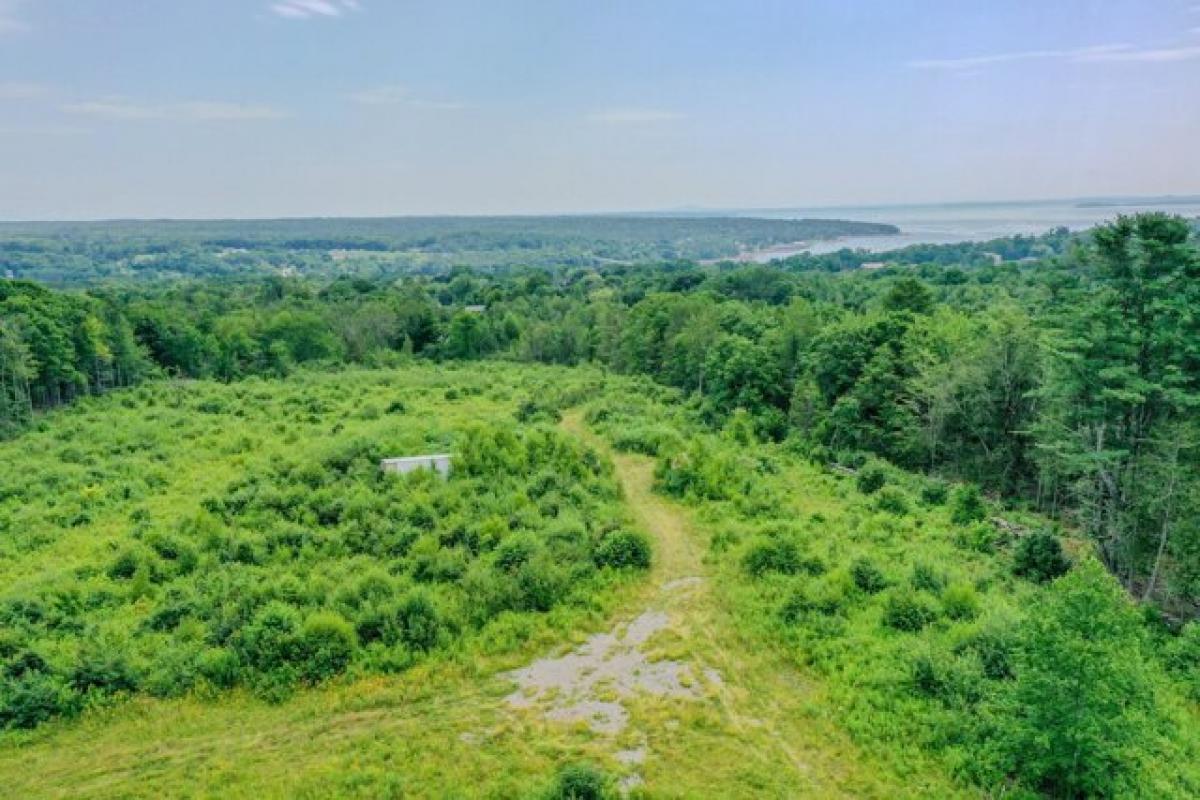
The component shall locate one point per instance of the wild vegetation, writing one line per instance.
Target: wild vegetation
(939, 630)
(125, 573)
(951, 493)
(1068, 384)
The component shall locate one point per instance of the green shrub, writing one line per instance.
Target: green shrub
(269, 642)
(541, 585)
(774, 554)
(125, 565)
(820, 455)
(979, 537)
(908, 611)
(925, 576)
(647, 440)
(934, 492)
(942, 676)
(893, 501)
(1039, 557)
(1182, 657)
(176, 606)
(538, 410)
(418, 621)
(926, 674)
(994, 644)
(219, 666)
(960, 601)
(624, 550)
(35, 697)
(967, 505)
(515, 551)
(581, 782)
(11, 643)
(173, 671)
(813, 565)
(103, 665)
(701, 472)
(867, 577)
(435, 564)
(327, 643)
(375, 623)
(827, 598)
(871, 479)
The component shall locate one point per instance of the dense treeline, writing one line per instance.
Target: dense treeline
(55, 347)
(75, 253)
(1069, 383)
(1009, 248)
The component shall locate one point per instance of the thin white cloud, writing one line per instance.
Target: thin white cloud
(397, 95)
(972, 62)
(1108, 53)
(308, 9)
(210, 111)
(632, 116)
(16, 90)
(192, 111)
(1151, 55)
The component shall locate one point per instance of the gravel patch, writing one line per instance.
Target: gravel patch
(570, 687)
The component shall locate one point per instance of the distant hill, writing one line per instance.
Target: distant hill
(87, 252)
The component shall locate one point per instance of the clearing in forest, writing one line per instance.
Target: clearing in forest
(669, 696)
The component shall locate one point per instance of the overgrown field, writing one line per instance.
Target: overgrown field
(210, 590)
(194, 537)
(947, 632)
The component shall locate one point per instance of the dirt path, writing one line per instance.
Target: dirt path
(596, 683)
(677, 657)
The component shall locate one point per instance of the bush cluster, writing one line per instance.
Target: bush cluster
(318, 564)
(1039, 557)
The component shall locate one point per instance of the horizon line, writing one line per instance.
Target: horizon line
(678, 211)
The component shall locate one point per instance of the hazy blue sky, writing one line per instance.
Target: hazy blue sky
(333, 107)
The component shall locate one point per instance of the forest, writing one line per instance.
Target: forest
(77, 253)
(952, 493)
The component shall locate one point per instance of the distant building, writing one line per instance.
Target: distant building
(475, 309)
(439, 463)
(996, 258)
(874, 264)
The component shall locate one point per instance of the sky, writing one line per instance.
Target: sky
(265, 108)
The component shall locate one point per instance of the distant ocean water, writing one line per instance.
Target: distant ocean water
(965, 222)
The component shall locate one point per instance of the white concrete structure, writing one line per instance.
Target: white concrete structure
(439, 462)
